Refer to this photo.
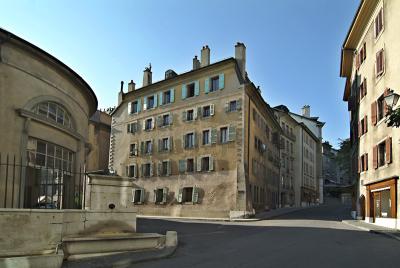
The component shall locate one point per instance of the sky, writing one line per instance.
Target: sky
(293, 46)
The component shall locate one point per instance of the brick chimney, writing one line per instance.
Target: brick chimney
(205, 56)
(240, 56)
(121, 93)
(147, 76)
(196, 63)
(305, 111)
(131, 86)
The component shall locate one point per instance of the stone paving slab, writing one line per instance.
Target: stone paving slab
(373, 228)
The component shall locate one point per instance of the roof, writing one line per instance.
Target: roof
(10, 37)
(179, 76)
(355, 32)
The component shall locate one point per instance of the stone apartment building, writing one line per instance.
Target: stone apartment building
(300, 156)
(368, 62)
(201, 143)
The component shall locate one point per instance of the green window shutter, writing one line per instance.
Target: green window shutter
(182, 166)
(180, 195)
(135, 173)
(211, 163)
(172, 93)
(168, 168)
(155, 195)
(142, 148)
(144, 124)
(127, 171)
(195, 195)
(142, 195)
(227, 106)
(159, 145)
(144, 103)
(133, 194)
(184, 92)
(152, 169)
(194, 114)
(155, 100)
(199, 112)
(184, 116)
(139, 105)
(159, 167)
(232, 133)
(199, 164)
(221, 81)
(239, 104)
(170, 119)
(129, 107)
(160, 95)
(196, 88)
(212, 109)
(165, 194)
(159, 121)
(214, 136)
(194, 139)
(207, 85)
(170, 143)
(128, 130)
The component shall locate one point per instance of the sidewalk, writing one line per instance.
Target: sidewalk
(270, 214)
(372, 228)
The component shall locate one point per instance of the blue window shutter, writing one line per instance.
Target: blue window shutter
(196, 88)
(221, 81)
(161, 97)
(172, 94)
(155, 100)
(144, 103)
(207, 85)
(139, 105)
(184, 92)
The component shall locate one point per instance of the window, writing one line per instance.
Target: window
(190, 90)
(134, 107)
(160, 195)
(131, 171)
(205, 163)
(55, 112)
(361, 56)
(224, 135)
(132, 127)
(150, 102)
(363, 126)
(214, 83)
(132, 149)
(206, 111)
(147, 170)
(379, 23)
(381, 108)
(232, 106)
(189, 140)
(148, 125)
(164, 168)
(381, 154)
(206, 137)
(363, 89)
(187, 194)
(364, 162)
(189, 115)
(138, 196)
(380, 63)
(148, 147)
(164, 144)
(190, 165)
(166, 97)
(166, 120)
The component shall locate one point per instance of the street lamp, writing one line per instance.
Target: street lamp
(391, 99)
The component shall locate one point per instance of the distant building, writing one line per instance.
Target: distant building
(44, 113)
(99, 139)
(369, 62)
(302, 163)
(201, 143)
(329, 165)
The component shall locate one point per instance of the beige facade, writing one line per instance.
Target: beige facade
(99, 140)
(369, 65)
(202, 143)
(44, 114)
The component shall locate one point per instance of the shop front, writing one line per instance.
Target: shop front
(381, 203)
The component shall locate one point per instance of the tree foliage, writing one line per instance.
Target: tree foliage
(394, 118)
(343, 157)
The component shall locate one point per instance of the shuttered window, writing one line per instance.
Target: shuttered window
(378, 23)
(380, 63)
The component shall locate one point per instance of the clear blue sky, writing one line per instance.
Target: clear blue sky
(293, 46)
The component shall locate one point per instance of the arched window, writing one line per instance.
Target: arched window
(53, 111)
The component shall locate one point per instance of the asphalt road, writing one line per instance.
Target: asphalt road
(313, 237)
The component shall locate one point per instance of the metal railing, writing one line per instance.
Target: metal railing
(24, 185)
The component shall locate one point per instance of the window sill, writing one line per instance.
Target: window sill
(376, 39)
(133, 156)
(138, 203)
(135, 113)
(380, 121)
(379, 77)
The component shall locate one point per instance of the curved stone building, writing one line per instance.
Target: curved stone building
(44, 119)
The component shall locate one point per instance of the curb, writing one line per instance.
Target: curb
(372, 231)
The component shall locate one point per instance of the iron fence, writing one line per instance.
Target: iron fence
(25, 185)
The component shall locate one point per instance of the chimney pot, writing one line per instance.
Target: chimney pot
(240, 56)
(122, 86)
(305, 111)
(205, 56)
(147, 76)
(131, 86)
(196, 63)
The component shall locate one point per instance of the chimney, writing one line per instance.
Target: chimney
(147, 76)
(240, 56)
(121, 93)
(205, 56)
(305, 111)
(196, 63)
(131, 86)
